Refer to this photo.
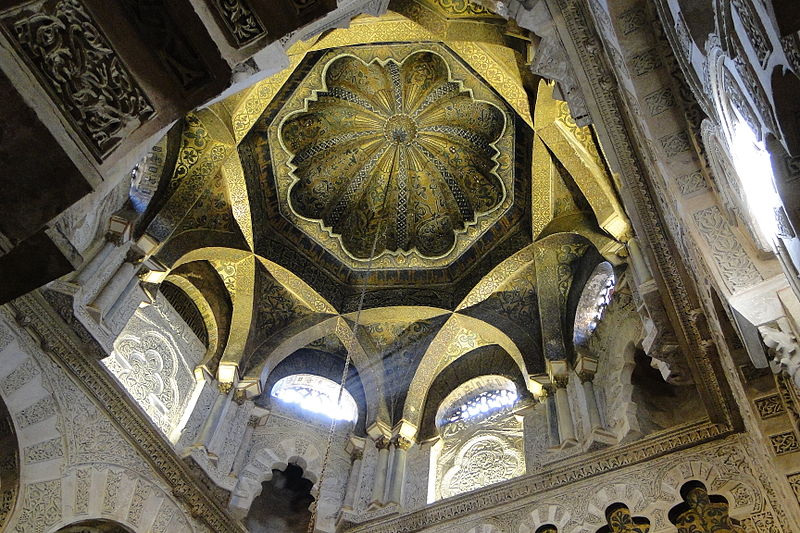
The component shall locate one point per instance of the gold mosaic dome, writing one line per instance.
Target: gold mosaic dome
(394, 147)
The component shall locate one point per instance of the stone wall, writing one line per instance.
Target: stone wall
(729, 468)
(75, 462)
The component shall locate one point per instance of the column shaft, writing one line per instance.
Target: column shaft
(352, 482)
(132, 285)
(244, 446)
(113, 288)
(93, 265)
(591, 404)
(212, 421)
(566, 428)
(399, 471)
(552, 418)
(380, 470)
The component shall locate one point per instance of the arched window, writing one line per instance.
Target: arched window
(754, 167)
(316, 394)
(477, 399)
(481, 442)
(594, 299)
(146, 174)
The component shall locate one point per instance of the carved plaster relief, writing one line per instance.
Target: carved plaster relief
(96, 469)
(154, 359)
(479, 453)
(734, 266)
(78, 67)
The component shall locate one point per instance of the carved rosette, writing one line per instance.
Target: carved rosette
(394, 148)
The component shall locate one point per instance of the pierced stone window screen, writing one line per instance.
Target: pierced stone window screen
(316, 394)
(476, 399)
(594, 300)
(481, 441)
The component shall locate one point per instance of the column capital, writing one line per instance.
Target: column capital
(586, 367)
(356, 455)
(561, 381)
(382, 442)
(402, 443)
(239, 396)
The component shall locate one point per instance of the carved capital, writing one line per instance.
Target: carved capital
(239, 396)
(561, 381)
(382, 443)
(356, 455)
(224, 388)
(585, 376)
(402, 442)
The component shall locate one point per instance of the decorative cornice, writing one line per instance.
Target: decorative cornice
(80, 359)
(575, 469)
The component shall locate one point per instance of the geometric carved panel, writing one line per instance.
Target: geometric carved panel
(769, 406)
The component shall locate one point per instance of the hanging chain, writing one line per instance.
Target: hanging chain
(312, 522)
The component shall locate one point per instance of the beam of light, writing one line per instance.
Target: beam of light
(752, 163)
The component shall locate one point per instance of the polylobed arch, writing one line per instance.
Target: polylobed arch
(262, 461)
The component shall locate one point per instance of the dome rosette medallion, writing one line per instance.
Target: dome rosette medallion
(398, 147)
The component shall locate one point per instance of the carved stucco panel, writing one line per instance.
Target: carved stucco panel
(154, 359)
(733, 264)
(80, 70)
(479, 454)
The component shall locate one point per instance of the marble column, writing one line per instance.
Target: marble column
(214, 417)
(546, 398)
(132, 285)
(244, 446)
(640, 268)
(382, 444)
(566, 427)
(356, 458)
(112, 290)
(401, 446)
(591, 400)
(88, 270)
